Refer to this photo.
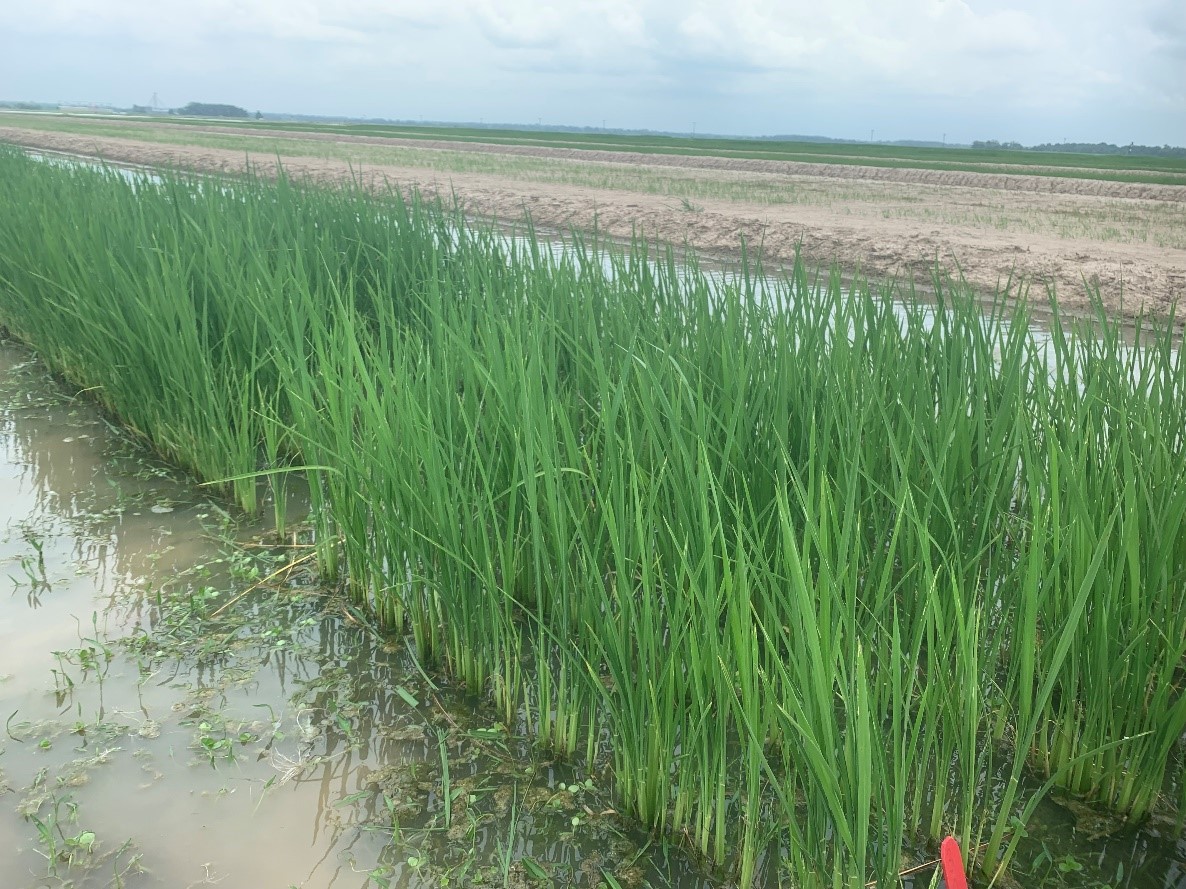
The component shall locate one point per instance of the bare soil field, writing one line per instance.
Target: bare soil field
(1126, 239)
(1007, 182)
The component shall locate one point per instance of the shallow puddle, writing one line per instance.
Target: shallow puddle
(184, 710)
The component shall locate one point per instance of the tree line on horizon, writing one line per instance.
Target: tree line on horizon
(1086, 148)
(209, 109)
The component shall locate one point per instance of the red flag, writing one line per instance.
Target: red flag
(953, 864)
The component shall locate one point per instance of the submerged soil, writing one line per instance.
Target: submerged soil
(184, 706)
(877, 221)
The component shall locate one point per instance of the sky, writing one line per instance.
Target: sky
(960, 70)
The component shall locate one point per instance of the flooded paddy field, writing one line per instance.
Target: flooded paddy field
(179, 714)
(1087, 238)
(817, 576)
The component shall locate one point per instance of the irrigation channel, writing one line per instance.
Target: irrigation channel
(800, 578)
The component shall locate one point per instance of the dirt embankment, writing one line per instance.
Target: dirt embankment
(997, 181)
(1131, 276)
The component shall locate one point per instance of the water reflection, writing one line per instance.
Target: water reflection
(285, 728)
(167, 733)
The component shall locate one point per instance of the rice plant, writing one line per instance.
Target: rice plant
(819, 573)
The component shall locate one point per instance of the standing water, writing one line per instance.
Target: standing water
(183, 707)
(186, 707)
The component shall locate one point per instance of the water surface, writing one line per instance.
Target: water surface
(172, 722)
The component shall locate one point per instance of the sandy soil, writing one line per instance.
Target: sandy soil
(879, 239)
(990, 180)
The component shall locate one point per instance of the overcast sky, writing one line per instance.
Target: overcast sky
(1036, 71)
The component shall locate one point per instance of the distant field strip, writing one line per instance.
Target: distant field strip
(872, 154)
(1115, 220)
(1041, 165)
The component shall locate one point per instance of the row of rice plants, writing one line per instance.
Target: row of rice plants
(821, 573)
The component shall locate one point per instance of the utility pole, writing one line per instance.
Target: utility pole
(693, 129)
(870, 135)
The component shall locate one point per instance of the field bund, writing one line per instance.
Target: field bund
(1091, 227)
(817, 576)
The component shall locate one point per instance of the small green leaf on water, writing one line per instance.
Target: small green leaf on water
(534, 870)
(408, 697)
(1069, 865)
(486, 734)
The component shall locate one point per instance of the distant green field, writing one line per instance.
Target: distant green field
(1149, 170)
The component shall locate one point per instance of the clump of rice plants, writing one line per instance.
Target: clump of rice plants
(830, 567)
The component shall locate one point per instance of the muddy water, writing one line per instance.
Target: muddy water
(181, 710)
(171, 721)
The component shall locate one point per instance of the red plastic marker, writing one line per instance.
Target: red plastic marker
(953, 864)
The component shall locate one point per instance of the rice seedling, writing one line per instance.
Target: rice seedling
(818, 573)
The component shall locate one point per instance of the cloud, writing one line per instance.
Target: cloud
(737, 61)
(520, 24)
(934, 45)
(328, 21)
